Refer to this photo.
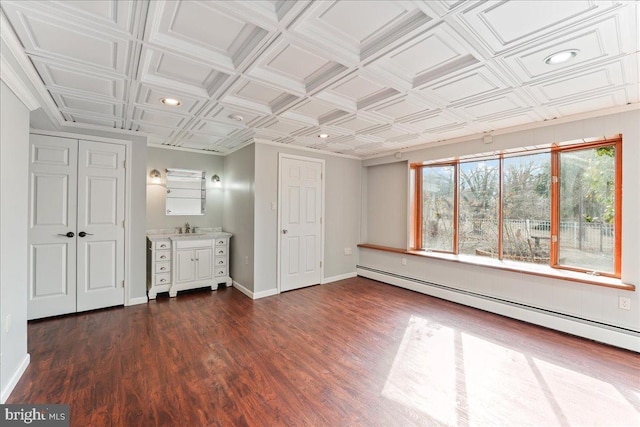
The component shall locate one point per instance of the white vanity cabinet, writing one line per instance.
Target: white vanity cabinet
(179, 262)
(193, 261)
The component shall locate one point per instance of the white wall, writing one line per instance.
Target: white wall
(14, 178)
(387, 227)
(574, 299)
(161, 159)
(342, 214)
(238, 216)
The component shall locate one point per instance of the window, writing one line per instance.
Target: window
(558, 206)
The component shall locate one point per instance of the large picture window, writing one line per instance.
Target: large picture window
(558, 206)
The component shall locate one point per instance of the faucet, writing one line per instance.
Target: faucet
(187, 228)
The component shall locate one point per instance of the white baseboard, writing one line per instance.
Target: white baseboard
(547, 319)
(242, 289)
(338, 277)
(138, 300)
(6, 392)
(267, 293)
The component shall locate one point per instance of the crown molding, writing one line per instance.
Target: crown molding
(9, 76)
(188, 150)
(309, 150)
(28, 84)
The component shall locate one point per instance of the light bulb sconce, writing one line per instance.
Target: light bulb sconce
(216, 180)
(155, 176)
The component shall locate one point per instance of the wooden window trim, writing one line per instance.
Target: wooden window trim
(555, 204)
(554, 150)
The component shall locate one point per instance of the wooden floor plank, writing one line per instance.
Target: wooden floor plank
(354, 352)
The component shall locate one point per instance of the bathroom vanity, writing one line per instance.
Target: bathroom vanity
(177, 262)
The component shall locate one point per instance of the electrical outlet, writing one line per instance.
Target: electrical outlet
(274, 206)
(403, 261)
(624, 303)
(347, 251)
(7, 324)
(246, 260)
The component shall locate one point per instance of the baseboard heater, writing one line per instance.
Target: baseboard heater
(462, 292)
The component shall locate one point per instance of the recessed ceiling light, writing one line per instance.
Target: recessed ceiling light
(171, 102)
(561, 57)
(323, 135)
(236, 117)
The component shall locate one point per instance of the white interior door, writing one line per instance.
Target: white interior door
(301, 222)
(100, 266)
(52, 226)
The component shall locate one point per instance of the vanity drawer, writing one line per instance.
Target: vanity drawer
(163, 279)
(195, 243)
(164, 255)
(162, 244)
(220, 271)
(220, 261)
(221, 242)
(220, 251)
(163, 267)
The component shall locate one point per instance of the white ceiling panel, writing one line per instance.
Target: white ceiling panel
(58, 77)
(376, 75)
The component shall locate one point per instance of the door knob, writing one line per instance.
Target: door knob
(285, 231)
(69, 234)
(82, 234)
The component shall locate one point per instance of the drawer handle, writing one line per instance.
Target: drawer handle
(162, 257)
(163, 280)
(163, 268)
(163, 246)
(220, 262)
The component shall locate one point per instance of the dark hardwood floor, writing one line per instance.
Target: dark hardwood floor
(350, 353)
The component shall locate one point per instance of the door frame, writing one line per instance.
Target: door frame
(128, 299)
(282, 156)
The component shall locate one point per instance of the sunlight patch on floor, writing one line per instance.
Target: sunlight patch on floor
(462, 379)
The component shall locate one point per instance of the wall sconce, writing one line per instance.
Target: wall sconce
(216, 180)
(155, 176)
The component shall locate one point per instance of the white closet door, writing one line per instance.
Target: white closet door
(52, 226)
(101, 187)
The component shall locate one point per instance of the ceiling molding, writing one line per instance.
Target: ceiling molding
(16, 51)
(379, 76)
(188, 150)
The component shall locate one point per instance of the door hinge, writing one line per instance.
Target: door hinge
(124, 164)
(122, 284)
(123, 223)
(320, 220)
(320, 264)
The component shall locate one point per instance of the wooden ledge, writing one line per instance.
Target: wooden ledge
(514, 266)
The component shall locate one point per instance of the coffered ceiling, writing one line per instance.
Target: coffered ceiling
(376, 76)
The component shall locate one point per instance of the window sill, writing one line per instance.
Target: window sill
(514, 266)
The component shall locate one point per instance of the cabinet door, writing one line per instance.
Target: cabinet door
(185, 266)
(205, 264)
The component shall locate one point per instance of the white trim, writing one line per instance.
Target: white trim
(322, 203)
(242, 289)
(15, 47)
(137, 301)
(89, 126)
(9, 76)
(6, 392)
(189, 150)
(338, 277)
(311, 150)
(267, 293)
(82, 136)
(523, 127)
(240, 147)
(530, 315)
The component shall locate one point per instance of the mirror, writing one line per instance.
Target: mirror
(186, 192)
